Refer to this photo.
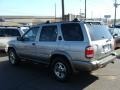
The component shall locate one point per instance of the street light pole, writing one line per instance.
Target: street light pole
(63, 10)
(115, 5)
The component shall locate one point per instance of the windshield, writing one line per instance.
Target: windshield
(98, 32)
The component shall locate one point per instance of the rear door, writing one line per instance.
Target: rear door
(74, 43)
(101, 39)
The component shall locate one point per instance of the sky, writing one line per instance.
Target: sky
(95, 8)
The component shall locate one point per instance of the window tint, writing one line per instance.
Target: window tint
(99, 32)
(12, 32)
(2, 33)
(31, 34)
(72, 32)
(9, 32)
(48, 33)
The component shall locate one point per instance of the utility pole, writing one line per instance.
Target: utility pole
(115, 5)
(55, 12)
(63, 10)
(80, 9)
(80, 14)
(85, 9)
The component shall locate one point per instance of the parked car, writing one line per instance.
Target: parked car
(66, 47)
(116, 35)
(117, 26)
(7, 34)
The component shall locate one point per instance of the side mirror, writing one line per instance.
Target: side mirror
(19, 39)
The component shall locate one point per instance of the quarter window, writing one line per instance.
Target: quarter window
(72, 32)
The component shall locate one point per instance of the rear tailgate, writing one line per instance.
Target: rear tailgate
(101, 40)
(103, 48)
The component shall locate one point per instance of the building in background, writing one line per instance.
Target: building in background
(32, 20)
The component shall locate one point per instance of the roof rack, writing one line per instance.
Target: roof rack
(76, 20)
(48, 22)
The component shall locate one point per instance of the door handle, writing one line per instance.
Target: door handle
(33, 44)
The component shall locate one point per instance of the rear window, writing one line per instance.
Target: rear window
(9, 32)
(72, 32)
(98, 32)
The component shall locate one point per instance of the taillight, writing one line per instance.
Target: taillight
(89, 52)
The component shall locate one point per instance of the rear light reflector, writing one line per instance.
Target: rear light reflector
(89, 52)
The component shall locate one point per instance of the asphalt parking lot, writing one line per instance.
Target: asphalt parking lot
(29, 76)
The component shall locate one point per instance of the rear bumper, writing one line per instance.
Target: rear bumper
(90, 66)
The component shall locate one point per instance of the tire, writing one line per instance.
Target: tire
(13, 58)
(61, 69)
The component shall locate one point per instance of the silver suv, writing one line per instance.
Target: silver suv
(65, 47)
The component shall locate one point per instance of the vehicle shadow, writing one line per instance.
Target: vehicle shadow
(29, 76)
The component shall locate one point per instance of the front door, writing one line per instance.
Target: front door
(27, 47)
(47, 41)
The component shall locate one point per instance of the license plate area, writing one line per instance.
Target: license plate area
(107, 48)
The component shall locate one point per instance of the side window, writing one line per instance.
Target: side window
(2, 33)
(48, 33)
(13, 32)
(31, 34)
(72, 32)
(9, 32)
(6, 33)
